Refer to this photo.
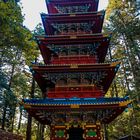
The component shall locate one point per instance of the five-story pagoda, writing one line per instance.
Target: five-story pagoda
(74, 79)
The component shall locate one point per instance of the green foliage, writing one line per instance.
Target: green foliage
(3, 82)
(8, 101)
(39, 30)
(17, 49)
(15, 37)
(124, 23)
(125, 124)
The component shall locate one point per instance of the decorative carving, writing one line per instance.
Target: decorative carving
(59, 133)
(73, 9)
(69, 28)
(91, 118)
(61, 82)
(91, 133)
(81, 49)
(93, 77)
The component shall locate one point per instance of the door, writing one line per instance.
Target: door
(75, 133)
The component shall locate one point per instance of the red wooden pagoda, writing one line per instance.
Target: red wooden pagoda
(74, 79)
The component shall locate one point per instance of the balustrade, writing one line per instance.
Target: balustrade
(74, 60)
(73, 9)
(75, 91)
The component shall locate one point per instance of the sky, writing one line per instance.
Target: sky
(33, 8)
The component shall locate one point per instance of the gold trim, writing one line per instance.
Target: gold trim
(125, 103)
(74, 106)
(72, 15)
(62, 126)
(78, 86)
(27, 106)
(74, 66)
(115, 63)
(73, 37)
(90, 126)
(106, 35)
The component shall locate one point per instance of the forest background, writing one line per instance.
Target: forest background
(18, 49)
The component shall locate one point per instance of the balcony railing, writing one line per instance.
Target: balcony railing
(81, 91)
(74, 60)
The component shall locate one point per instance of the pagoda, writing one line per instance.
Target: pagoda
(74, 78)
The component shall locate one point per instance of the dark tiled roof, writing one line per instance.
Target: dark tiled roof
(78, 101)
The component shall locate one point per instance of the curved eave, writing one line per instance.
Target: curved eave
(64, 1)
(39, 72)
(71, 39)
(46, 52)
(102, 12)
(34, 109)
(58, 68)
(97, 17)
(52, 3)
(70, 105)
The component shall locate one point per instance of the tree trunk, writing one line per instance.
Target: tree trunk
(4, 116)
(105, 132)
(126, 80)
(28, 131)
(29, 124)
(40, 132)
(114, 87)
(19, 122)
(13, 119)
(11, 77)
(134, 67)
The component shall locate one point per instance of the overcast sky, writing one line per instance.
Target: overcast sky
(33, 8)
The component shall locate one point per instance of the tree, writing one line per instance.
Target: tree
(124, 23)
(17, 48)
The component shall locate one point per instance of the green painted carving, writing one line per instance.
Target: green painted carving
(76, 27)
(60, 133)
(90, 49)
(96, 77)
(91, 133)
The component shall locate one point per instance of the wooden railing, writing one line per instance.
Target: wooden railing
(75, 91)
(74, 32)
(74, 60)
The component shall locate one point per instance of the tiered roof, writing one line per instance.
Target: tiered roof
(93, 43)
(67, 24)
(104, 109)
(71, 6)
(74, 47)
(46, 76)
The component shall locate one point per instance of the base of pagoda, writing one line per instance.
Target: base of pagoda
(76, 132)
